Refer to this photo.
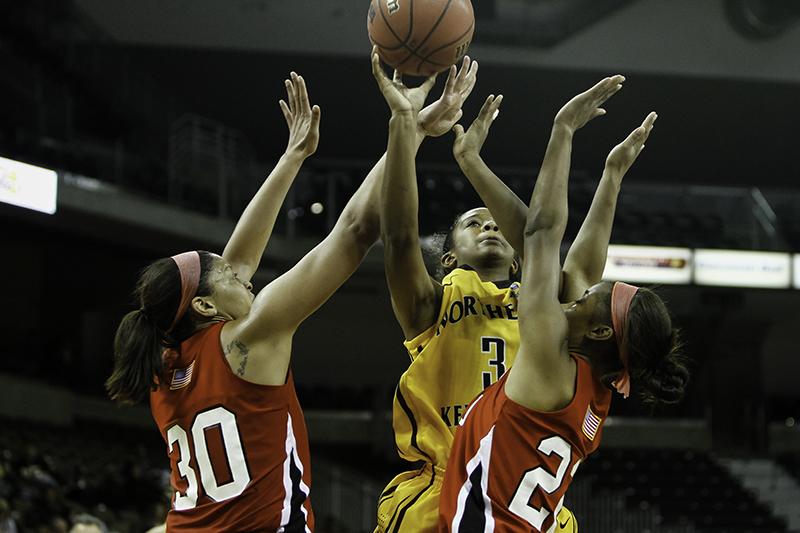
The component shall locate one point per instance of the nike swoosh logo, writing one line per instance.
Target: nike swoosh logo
(565, 523)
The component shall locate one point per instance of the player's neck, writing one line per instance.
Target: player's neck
(492, 272)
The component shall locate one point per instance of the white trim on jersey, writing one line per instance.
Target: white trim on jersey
(291, 452)
(481, 458)
(552, 528)
(469, 410)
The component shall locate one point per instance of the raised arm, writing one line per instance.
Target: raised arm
(586, 258)
(540, 375)
(249, 239)
(258, 346)
(415, 295)
(506, 207)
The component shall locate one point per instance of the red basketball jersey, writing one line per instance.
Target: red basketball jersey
(510, 466)
(238, 451)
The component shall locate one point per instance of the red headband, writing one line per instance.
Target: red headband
(189, 268)
(621, 296)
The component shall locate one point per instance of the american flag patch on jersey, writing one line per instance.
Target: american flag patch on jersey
(591, 423)
(181, 377)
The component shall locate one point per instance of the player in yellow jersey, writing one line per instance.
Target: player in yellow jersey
(462, 332)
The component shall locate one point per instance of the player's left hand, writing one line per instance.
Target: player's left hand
(302, 119)
(471, 141)
(623, 155)
(440, 116)
(401, 99)
(586, 105)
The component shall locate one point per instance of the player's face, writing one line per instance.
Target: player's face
(582, 314)
(477, 240)
(231, 296)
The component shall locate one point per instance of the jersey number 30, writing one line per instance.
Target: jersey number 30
(226, 421)
(541, 478)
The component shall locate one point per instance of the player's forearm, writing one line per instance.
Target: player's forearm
(506, 207)
(364, 208)
(548, 207)
(399, 198)
(249, 239)
(587, 255)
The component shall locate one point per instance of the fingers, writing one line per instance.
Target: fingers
(649, 121)
(290, 95)
(471, 78)
(427, 85)
(640, 134)
(377, 69)
(315, 116)
(490, 108)
(464, 70)
(302, 94)
(286, 113)
(450, 84)
(606, 88)
(397, 77)
(458, 129)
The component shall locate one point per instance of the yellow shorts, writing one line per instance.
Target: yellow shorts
(410, 504)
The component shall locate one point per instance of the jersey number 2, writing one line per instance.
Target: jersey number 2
(226, 421)
(541, 478)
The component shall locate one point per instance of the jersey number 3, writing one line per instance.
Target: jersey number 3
(226, 422)
(541, 478)
(497, 347)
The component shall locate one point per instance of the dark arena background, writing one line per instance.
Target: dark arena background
(160, 119)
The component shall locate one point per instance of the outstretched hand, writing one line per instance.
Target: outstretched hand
(401, 99)
(302, 119)
(586, 106)
(471, 141)
(625, 153)
(438, 118)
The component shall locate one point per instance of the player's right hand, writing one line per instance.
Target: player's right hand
(586, 106)
(438, 118)
(401, 99)
(623, 155)
(302, 119)
(471, 141)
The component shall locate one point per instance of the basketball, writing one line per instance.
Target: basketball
(421, 37)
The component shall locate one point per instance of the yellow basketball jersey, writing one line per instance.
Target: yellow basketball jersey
(473, 342)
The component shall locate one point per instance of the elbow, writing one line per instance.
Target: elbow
(363, 229)
(541, 220)
(394, 241)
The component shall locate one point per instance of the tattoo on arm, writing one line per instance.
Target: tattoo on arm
(243, 350)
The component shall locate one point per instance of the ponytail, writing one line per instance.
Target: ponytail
(143, 334)
(657, 363)
(137, 359)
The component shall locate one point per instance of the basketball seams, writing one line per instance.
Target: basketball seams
(414, 53)
(391, 29)
(426, 59)
(436, 24)
(404, 42)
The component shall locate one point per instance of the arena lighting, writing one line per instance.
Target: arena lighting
(648, 264)
(796, 276)
(737, 268)
(28, 186)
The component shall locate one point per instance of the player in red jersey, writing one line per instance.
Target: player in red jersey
(222, 394)
(522, 440)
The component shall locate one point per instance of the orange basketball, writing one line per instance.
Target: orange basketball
(420, 37)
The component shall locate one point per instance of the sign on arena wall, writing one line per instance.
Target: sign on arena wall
(737, 268)
(797, 271)
(28, 186)
(648, 264)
